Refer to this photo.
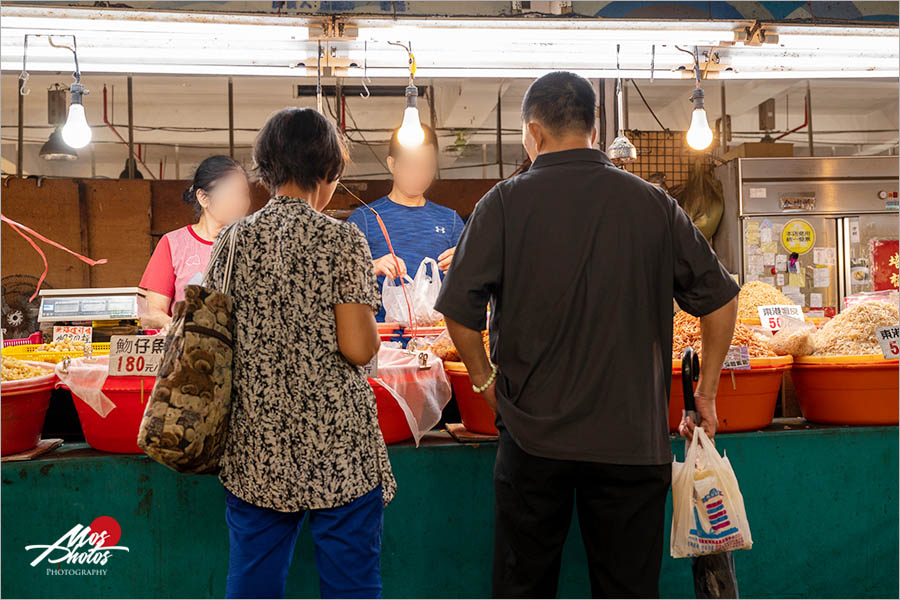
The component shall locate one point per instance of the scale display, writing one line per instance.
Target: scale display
(57, 307)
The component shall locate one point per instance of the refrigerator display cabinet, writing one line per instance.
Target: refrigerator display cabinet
(818, 229)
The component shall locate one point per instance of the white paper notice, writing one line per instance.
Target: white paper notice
(821, 277)
(757, 192)
(854, 230)
(823, 256)
(768, 259)
(779, 279)
(781, 263)
(815, 300)
(790, 290)
(767, 280)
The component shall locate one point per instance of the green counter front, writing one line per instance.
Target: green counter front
(822, 505)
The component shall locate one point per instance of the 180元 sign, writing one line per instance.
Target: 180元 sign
(135, 354)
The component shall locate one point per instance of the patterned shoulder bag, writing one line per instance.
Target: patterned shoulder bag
(186, 419)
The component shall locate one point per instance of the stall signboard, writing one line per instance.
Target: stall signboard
(136, 354)
(889, 339)
(772, 317)
(737, 359)
(72, 332)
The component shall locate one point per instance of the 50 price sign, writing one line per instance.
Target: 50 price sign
(889, 340)
(773, 317)
(135, 354)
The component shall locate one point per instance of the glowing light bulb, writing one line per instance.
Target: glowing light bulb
(411, 133)
(699, 136)
(76, 133)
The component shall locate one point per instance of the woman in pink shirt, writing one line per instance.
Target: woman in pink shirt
(220, 195)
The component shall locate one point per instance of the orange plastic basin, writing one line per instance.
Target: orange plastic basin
(23, 409)
(391, 419)
(746, 404)
(474, 411)
(847, 390)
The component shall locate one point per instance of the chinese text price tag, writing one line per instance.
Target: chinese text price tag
(737, 359)
(889, 339)
(72, 332)
(135, 354)
(771, 317)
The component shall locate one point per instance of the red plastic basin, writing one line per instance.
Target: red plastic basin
(474, 411)
(391, 418)
(745, 404)
(22, 410)
(118, 431)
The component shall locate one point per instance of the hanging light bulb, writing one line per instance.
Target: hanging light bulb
(699, 135)
(411, 133)
(76, 133)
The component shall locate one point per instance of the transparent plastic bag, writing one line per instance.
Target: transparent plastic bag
(85, 378)
(421, 393)
(443, 347)
(795, 338)
(708, 514)
(422, 292)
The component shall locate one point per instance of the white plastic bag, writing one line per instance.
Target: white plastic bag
(708, 513)
(85, 378)
(422, 292)
(421, 393)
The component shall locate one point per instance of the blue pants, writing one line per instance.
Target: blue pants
(347, 540)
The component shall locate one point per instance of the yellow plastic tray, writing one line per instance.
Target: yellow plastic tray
(30, 352)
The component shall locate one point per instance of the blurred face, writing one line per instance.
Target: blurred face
(229, 200)
(414, 169)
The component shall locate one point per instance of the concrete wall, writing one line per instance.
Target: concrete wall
(822, 506)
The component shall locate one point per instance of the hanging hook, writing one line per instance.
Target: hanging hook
(24, 75)
(652, 61)
(365, 77)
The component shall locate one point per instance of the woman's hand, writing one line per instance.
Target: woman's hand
(387, 267)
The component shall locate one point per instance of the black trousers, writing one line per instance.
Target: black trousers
(621, 512)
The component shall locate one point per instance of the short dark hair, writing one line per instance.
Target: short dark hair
(298, 145)
(562, 101)
(207, 175)
(430, 140)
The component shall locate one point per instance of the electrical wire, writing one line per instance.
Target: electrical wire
(647, 104)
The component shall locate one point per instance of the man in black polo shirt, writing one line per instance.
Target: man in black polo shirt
(580, 261)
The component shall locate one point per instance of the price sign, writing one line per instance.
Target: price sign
(772, 317)
(371, 369)
(72, 332)
(737, 359)
(889, 339)
(135, 354)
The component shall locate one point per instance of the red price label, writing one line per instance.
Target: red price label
(130, 364)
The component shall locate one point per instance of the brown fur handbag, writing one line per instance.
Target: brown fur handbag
(186, 419)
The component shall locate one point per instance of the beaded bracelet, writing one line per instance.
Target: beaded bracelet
(480, 389)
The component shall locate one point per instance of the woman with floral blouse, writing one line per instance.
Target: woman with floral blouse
(303, 436)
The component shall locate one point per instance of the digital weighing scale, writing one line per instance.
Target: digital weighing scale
(107, 310)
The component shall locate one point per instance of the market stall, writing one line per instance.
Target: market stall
(808, 400)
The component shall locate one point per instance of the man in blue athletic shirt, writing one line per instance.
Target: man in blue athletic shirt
(418, 228)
